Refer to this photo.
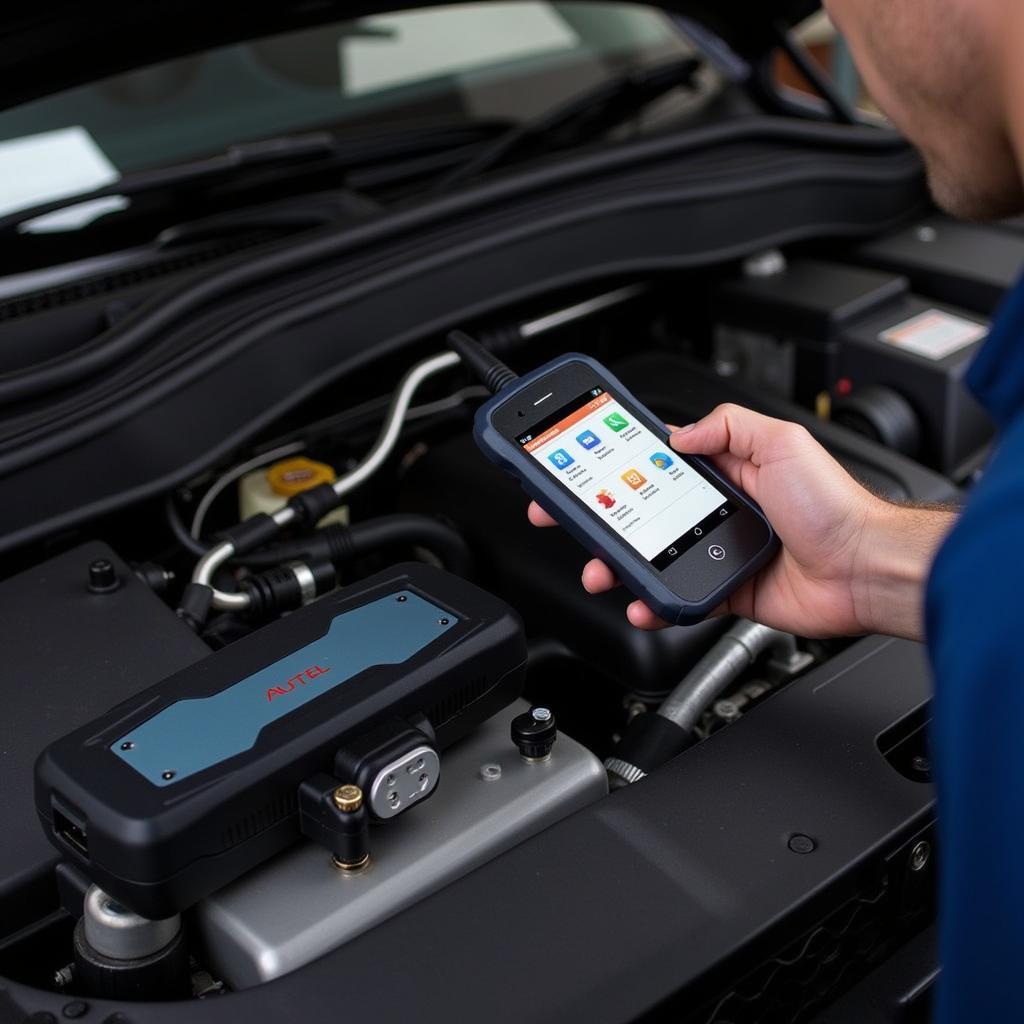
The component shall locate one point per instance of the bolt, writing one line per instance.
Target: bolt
(542, 714)
(103, 576)
(920, 855)
(799, 843)
(921, 764)
(634, 708)
(168, 775)
(348, 799)
(726, 710)
(490, 772)
(76, 1009)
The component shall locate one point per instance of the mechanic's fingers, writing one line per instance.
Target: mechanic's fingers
(642, 617)
(538, 516)
(597, 577)
(731, 467)
(747, 435)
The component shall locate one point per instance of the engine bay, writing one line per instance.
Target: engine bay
(792, 841)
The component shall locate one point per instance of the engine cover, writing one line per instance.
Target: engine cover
(69, 654)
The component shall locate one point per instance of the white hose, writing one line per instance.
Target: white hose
(220, 553)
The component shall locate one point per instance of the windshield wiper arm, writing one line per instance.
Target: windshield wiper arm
(583, 117)
(318, 149)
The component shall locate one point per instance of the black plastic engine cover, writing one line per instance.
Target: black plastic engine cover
(69, 655)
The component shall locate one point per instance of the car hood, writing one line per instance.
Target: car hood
(61, 43)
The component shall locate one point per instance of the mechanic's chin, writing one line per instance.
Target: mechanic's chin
(974, 197)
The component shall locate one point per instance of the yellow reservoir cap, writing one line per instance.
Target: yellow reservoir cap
(293, 476)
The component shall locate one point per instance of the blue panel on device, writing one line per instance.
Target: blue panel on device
(192, 735)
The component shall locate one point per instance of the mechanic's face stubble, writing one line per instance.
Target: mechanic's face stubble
(936, 68)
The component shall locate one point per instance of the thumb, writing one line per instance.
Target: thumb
(742, 433)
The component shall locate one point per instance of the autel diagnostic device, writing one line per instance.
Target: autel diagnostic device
(674, 530)
(192, 782)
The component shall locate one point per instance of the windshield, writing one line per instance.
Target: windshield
(504, 62)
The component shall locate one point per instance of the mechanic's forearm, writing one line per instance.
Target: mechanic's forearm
(896, 554)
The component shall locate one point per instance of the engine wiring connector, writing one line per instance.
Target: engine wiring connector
(493, 373)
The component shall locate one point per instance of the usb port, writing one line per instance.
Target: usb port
(72, 832)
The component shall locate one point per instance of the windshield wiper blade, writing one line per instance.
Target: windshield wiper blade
(286, 150)
(583, 117)
(317, 149)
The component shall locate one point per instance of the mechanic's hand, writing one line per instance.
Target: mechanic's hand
(850, 562)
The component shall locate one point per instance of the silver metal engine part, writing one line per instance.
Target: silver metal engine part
(120, 933)
(299, 906)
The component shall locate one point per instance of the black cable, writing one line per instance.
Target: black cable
(493, 373)
(180, 531)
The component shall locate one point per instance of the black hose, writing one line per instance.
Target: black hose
(418, 531)
(341, 544)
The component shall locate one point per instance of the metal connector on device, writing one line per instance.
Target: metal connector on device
(395, 765)
(348, 800)
(335, 817)
(405, 780)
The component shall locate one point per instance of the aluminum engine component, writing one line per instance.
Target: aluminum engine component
(299, 906)
(120, 933)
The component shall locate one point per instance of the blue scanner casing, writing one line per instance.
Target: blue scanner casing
(637, 574)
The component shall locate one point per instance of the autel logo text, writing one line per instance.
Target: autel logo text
(306, 676)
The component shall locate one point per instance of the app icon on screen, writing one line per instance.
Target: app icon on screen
(616, 421)
(588, 439)
(634, 478)
(605, 498)
(661, 460)
(561, 459)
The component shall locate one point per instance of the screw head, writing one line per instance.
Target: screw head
(168, 775)
(921, 764)
(799, 843)
(920, 855)
(127, 745)
(443, 622)
(348, 798)
(401, 599)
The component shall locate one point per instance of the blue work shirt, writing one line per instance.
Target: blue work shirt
(975, 630)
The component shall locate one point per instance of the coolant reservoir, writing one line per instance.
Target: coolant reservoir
(267, 490)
